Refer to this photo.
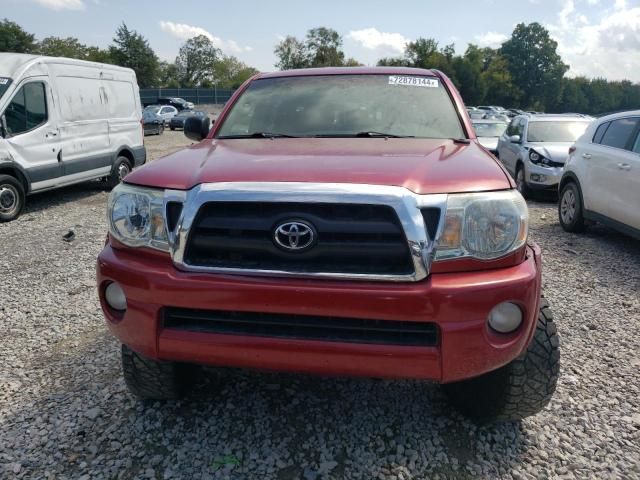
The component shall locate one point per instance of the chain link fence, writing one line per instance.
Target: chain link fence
(199, 96)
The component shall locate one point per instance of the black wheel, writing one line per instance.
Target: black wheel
(120, 169)
(570, 208)
(172, 128)
(12, 198)
(519, 389)
(521, 182)
(150, 379)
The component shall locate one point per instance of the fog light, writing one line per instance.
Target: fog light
(505, 317)
(537, 177)
(115, 297)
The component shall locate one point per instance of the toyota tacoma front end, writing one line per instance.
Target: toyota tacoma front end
(334, 222)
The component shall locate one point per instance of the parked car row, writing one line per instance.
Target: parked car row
(156, 117)
(593, 164)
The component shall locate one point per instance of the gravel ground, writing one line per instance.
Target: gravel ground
(65, 411)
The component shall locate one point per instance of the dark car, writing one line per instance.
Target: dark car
(179, 103)
(152, 123)
(180, 118)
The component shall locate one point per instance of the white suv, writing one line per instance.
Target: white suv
(601, 178)
(534, 148)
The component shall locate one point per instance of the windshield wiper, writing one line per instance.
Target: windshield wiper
(464, 141)
(380, 134)
(261, 135)
(367, 134)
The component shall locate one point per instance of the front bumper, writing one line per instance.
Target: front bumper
(458, 303)
(551, 176)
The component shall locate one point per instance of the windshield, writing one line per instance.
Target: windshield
(344, 106)
(555, 132)
(489, 129)
(4, 85)
(152, 109)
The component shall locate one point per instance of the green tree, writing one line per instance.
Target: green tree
(534, 64)
(324, 48)
(500, 86)
(96, 54)
(14, 39)
(231, 72)
(321, 48)
(291, 53)
(196, 62)
(132, 50)
(69, 47)
(352, 62)
(469, 70)
(393, 62)
(169, 77)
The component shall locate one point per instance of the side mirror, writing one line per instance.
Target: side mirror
(197, 128)
(3, 126)
(514, 138)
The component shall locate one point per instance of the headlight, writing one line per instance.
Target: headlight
(483, 225)
(136, 218)
(538, 159)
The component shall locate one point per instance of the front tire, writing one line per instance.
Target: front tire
(570, 209)
(149, 379)
(12, 198)
(519, 389)
(521, 182)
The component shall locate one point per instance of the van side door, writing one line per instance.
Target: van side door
(84, 129)
(31, 133)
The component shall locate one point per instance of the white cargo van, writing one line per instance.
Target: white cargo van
(64, 121)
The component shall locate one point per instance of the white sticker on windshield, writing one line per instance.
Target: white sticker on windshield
(413, 81)
(4, 81)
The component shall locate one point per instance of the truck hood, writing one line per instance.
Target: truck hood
(557, 152)
(420, 165)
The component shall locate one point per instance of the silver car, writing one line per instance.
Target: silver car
(488, 132)
(534, 148)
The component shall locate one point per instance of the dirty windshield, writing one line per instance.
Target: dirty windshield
(344, 106)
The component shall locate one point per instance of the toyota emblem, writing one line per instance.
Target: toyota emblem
(294, 235)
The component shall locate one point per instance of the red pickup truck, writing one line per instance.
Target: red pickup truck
(340, 221)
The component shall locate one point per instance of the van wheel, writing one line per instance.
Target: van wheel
(519, 389)
(12, 198)
(120, 169)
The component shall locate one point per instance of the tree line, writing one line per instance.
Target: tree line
(199, 62)
(525, 72)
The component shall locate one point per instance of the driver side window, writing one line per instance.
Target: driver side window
(28, 109)
(512, 129)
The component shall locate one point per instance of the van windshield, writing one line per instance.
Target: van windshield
(4, 85)
(344, 106)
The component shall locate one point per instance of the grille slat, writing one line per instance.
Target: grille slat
(303, 327)
(351, 238)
